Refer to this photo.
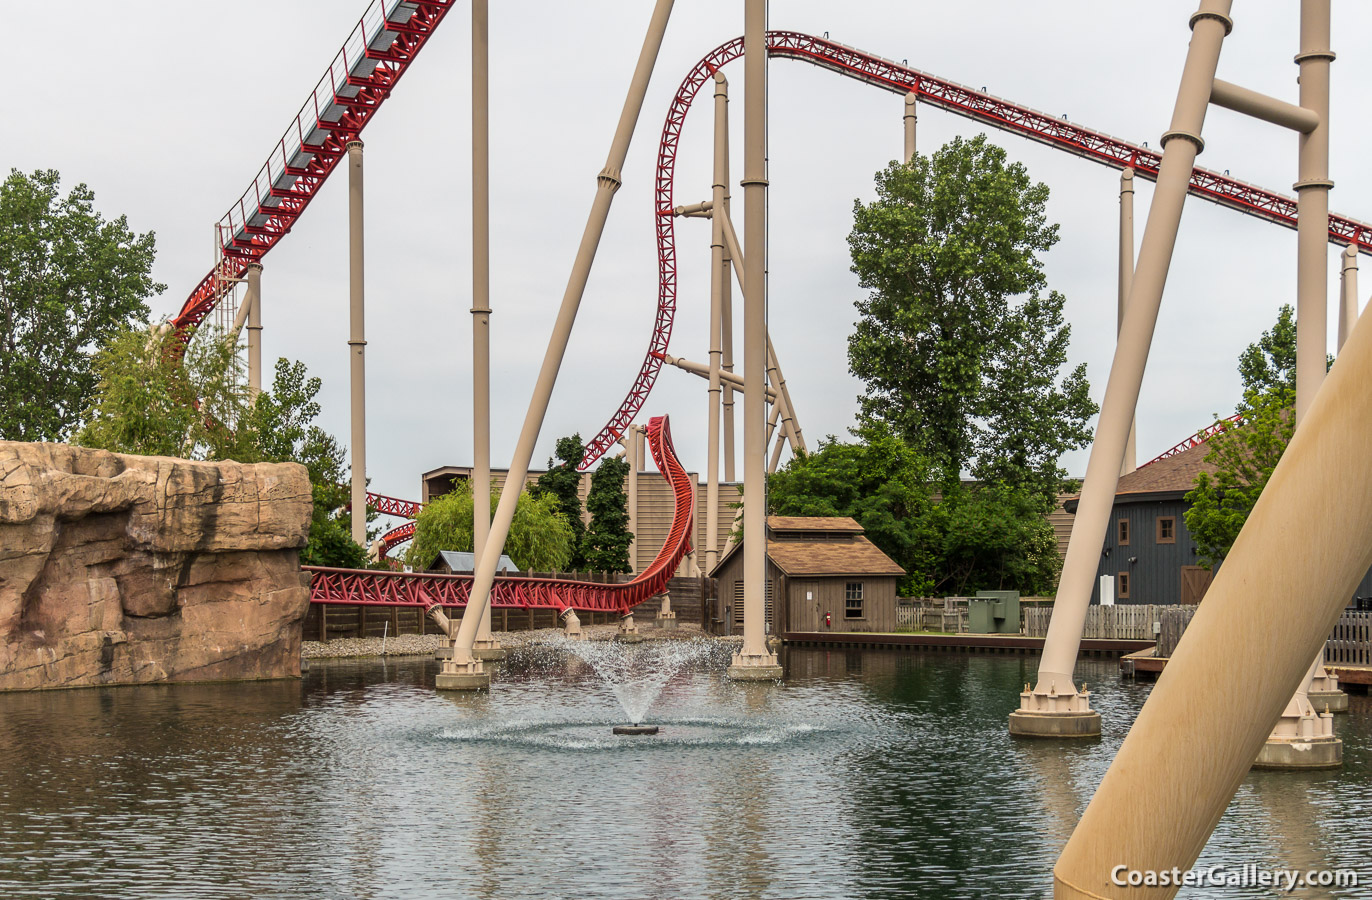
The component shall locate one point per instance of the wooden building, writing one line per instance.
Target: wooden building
(828, 576)
(1148, 549)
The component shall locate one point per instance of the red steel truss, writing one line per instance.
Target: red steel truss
(1195, 440)
(377, 53)
(393, 506)
(976, 105)
(371, 588)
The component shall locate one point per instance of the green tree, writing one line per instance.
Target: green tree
(563, 482)
(949, 540)
(993, 537)
(280, 425)
(1244, 453)
(539, 539)
(961, 348)
(70, 280)
(607, 540)
(146, 401)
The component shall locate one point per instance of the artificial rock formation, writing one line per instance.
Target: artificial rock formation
(120, 569)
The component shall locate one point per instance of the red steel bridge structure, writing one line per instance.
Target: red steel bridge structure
(379, 50)
(359, 587)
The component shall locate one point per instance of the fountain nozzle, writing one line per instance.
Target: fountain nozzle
(635, 729)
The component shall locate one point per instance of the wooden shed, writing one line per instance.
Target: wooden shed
(820, 566)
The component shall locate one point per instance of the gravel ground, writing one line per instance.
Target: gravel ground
(428, 644)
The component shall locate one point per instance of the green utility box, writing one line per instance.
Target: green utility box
(993, 612)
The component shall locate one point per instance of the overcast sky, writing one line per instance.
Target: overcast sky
(168, 116)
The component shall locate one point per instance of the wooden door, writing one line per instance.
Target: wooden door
(804, 603)
(1195, 581)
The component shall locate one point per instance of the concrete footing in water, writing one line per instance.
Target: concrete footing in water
(1300, 753)
(754, 668)
(1335, 701)
(1024, 723)
(463, 681)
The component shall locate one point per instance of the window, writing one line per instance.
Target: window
(852, 600)
(738, 605)
(1123, 583)
(1123, 526)
(1167, 529)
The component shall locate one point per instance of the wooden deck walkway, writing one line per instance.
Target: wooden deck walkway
(965, 643)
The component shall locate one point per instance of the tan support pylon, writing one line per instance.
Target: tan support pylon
(485, 647)
(1348, 293)
(463, 671)
(755, 662)
(357, 344)
(253, 301)
(719, 274)
(630, 442)
(910, 119)
(1054, 707)
(1293, 729)
(1126, 277)
(790, 424)
(701, 370)
(1296, 562)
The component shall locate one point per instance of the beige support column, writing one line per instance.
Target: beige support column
(910, 119)
(630, 440)
(485, 647)
(1348, 294)
(775, 459)
(1289, 745)
(463, 672)
(357, 344)
(755, 662)
(1126, 277)
(790, 423)
(1054, 706)
(777, 382)
(719, 274)
(726, 331)
(1298, 559)
(254, 303)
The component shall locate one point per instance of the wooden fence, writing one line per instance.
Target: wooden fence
(1350, 643)
(1129, 622)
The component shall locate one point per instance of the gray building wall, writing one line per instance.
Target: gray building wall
(1157, 572)
(1155, 569)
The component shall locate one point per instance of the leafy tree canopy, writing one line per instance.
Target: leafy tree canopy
(949, 540)
(608, 539)
(960, 346)
(539, 539)
(1245, 453)
(147, 402)
(70, 280)
(562, 481)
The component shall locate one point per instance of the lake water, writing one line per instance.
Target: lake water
(866, 774)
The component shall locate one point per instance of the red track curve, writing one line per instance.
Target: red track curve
(947, 95)
(374, 588)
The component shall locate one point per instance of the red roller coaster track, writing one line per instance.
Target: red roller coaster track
(372, 588)
(947, 95)
(378, 52)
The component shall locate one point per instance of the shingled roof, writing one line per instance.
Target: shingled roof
(1176, 473)
(823, 555)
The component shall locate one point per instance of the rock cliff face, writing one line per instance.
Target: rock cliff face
(122, 569)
